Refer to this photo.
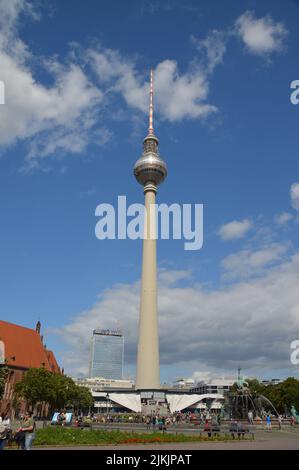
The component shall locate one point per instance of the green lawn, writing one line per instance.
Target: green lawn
(67, 436)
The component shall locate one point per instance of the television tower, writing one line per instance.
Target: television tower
(150, 170)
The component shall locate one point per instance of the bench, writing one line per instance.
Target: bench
(213, 429)
(239, 431)
(236, 432)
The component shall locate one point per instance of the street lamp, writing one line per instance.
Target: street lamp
(107, 398)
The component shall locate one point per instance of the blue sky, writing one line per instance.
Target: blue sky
(76, 80)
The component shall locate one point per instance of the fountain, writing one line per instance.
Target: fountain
(241, 402)
(295, 414)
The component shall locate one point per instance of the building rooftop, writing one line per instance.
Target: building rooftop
(107, 332)
(217, 381)
(24, 348)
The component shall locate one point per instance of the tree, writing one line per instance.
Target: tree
(59, 391)
(35, 387)
(3, 376)
(82, 398)
(62, 391)
(255, 387)
(289, 393)
(283, 395)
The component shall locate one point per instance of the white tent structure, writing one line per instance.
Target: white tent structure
(176, 401)
(128, 400)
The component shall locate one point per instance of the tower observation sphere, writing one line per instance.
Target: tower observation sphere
(150, 168)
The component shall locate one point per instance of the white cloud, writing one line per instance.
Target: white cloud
(181, 96)
(10, 13)
(57, 116)
(294, 193)
(283, 218)
(177, 96)
(170, 277)
(64, 116)
(261, 36)
(212, 48)
(235, 229)
(248, 263)
(251, 323)
(120, 75)
(209, 375)
(32, 108)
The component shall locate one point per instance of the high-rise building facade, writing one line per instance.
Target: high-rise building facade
(107, 354)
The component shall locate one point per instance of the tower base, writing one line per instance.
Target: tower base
(153, 402)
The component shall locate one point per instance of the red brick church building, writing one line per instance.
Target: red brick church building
(21, 349)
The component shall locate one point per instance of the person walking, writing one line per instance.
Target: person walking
(207, 428)
(268, 422)
(28, 427)
(279, 422)
(6, 421)
(154, 422)
(157, 419)
(148, 422)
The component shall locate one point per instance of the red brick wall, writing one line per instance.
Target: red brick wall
(15, 375)
(6, 404)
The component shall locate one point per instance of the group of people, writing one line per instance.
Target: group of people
(268, 420)
(61, 418)
(24, 434)
(157, 422)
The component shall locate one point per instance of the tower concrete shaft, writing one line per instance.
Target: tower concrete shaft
(148, 368)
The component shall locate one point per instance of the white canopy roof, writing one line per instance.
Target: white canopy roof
(129, 400)
(178, 402)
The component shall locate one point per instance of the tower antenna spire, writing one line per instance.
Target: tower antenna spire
(151, 105)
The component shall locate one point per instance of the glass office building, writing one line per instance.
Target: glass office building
(107, 354)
